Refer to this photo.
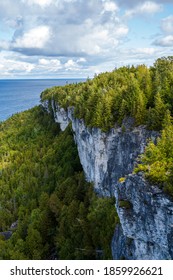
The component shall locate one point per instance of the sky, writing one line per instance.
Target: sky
(81, 38)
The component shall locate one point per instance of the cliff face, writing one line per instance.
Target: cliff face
(146, 216)
(145, 231)
(105, 157)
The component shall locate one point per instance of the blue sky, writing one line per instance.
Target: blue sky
(78, 38)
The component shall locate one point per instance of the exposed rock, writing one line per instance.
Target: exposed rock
(6, 234)
(60, 115)
(122, 246)
(14, 225)
(149, 220)
(145, 212)
(105, 157)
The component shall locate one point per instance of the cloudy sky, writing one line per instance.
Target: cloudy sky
(78, 38)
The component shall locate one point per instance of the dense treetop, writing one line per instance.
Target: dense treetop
(157, 161)
(144, 93)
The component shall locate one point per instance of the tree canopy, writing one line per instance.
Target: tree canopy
(144, 93)
(42, 186)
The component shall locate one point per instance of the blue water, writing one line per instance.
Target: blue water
(20, 95)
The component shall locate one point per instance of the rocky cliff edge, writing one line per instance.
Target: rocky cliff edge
(146, 214)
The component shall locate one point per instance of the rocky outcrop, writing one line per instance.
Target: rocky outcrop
(146, 216)
(105, 157)
(6, 234)
(122, 246)
(145, 212)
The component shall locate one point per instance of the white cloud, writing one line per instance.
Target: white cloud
(4, 45)
(19, 66)
(133, 3)
(150, 7)
(145, 51)
(29, 67)
(79, 36)
(167, 24)
(69, 1)
(78, 28)
(34, 38)
(2, 67)
(44, 61)
(42, 3)
(70, 64)
(110, 6)
(121, 30)
(81, 59)
(101, 39)
(8, 66)
(137, 56)
(50, 63)
(92, 43)
(147, 7)
(166, 41)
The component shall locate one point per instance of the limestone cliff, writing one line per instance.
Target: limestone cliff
(146, 216)
(146, 225)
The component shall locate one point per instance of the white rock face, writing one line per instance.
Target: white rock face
(91, 146)
(105, 157)
(60, 115)
(146, 230)
(148, 222)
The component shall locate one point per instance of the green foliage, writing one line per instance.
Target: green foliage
(140, 92)
(42, 185)
(100, 211)
(125, 204)
(156, 114)
(157, 161)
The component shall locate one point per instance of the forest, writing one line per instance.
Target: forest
(42, 185)
(43, 188)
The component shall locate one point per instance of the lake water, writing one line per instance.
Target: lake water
(20, 95)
